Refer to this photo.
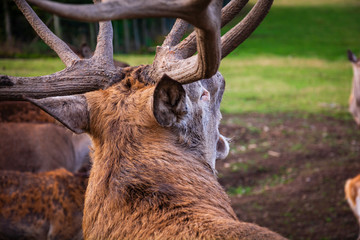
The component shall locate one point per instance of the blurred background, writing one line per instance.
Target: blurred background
(285, 106)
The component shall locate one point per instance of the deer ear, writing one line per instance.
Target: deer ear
(72, 111)
(169, 106)
(351, 56)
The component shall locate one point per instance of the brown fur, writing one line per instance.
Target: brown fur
(43, 147)
(29, 143)
(18, 111)
(41, 206)
(153, 182)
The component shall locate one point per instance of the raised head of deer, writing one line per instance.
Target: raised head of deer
(154, 127)
(354, 100)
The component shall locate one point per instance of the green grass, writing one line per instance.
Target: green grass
(240, 190)
(256, 84)
(280, 84)
(323, 31)
(295, 60)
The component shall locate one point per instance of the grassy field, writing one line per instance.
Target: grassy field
(295, 61)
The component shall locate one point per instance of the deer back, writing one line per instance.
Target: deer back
(42, 147)
(41, 206)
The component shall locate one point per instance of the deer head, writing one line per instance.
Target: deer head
(354, 100)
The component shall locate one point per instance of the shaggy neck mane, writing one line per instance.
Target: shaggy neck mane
(149, 180)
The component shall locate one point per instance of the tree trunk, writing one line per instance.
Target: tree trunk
(136, 34)
(163, 26)
(126, 36)
(145, 33)
(9, 37)
(92, 35)
(116, 36)
(57, 26)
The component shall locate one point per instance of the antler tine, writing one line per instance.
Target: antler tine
(104, 47)
(176, 33)
(187, 47)
(231, 10)
(243, 29)
(66, 55)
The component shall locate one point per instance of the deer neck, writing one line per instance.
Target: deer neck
(143, 150)
(156, 174)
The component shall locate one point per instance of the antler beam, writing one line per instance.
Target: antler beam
(66, 82)
(118, 9)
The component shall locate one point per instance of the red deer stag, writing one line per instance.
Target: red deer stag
(352, 195)
(354, 101)
(41, 206)
(154, 127)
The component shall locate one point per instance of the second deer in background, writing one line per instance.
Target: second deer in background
(85, 52)
(354, 100)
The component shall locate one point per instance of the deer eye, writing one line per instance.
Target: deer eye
(205, 96)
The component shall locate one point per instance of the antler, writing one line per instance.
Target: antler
(203, 14)
(187, 47)
(173, 54)
(79, 76)
(173, 58)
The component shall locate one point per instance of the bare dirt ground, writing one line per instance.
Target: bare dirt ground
(287, 172)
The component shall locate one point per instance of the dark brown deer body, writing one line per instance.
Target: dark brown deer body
(20, 112)
(155, 127)
(42, 147)
(41, 206)
(30, 141)
(354, 100)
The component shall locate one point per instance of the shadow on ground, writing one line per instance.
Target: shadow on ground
(287, 172)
